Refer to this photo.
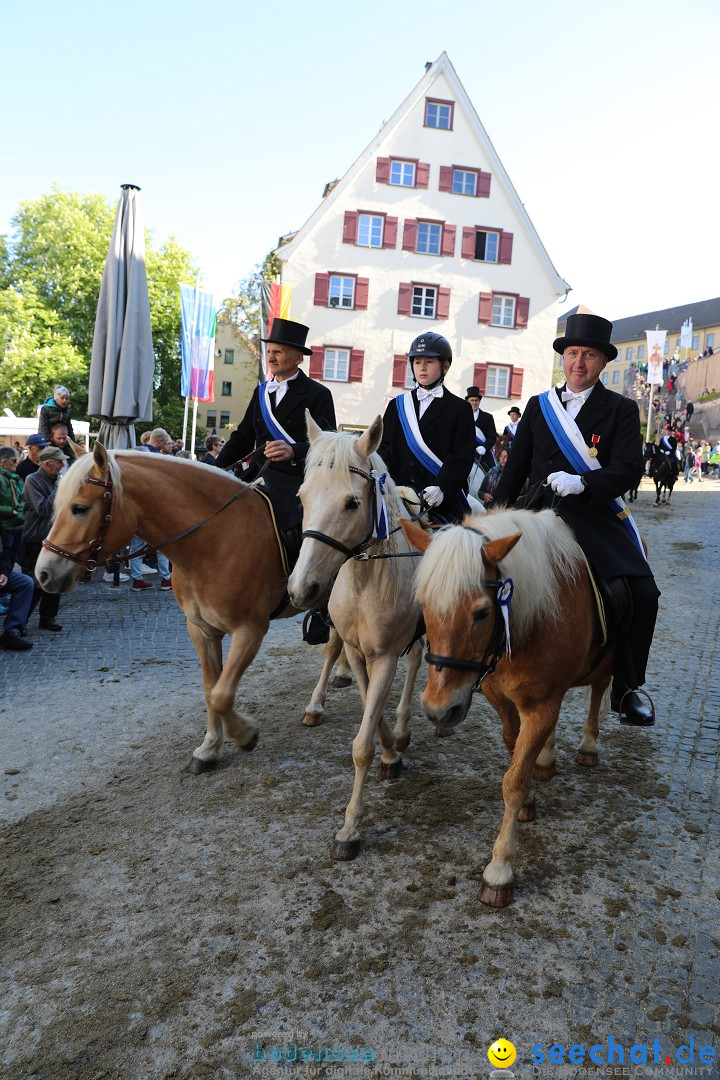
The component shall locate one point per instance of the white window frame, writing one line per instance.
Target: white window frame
(488, 233)
(339, 291)
(616, 376)
(441, 110)
(430, 226)
(503, 311)
(372, 227)
(224, 419)
(464, 175)
(211, 419)
(498, 381)
(628, 353)
(333, 359)
(409, 377)
(641, 352)
(709, 341)
(604, 378)
(424, 297)
(402, 173)
(695, 342)
(226, 393)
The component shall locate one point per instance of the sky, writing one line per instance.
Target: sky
(232, 117)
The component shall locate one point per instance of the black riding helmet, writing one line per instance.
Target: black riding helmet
(431, 345)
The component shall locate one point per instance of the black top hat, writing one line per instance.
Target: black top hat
(287, 332)
(514, 409)
(588, 330)
(473, 391)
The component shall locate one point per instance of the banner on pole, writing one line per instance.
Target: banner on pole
(656, 350)
(686, 331)
(198, 343)
(274, 304)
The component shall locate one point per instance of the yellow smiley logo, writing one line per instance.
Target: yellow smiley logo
(501, 1054)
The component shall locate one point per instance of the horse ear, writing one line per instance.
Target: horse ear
(100, 458)
(370, 438)
(496, 550)
(415, 534)
(313, 429)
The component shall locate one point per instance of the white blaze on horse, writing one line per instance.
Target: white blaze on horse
(228, 574)
(555, 642)
(371, 603)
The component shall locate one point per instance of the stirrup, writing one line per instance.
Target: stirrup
(316, 627)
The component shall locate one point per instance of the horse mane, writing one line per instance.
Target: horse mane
(451, 568)
(337, 451)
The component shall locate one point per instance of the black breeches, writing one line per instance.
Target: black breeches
(633, 647)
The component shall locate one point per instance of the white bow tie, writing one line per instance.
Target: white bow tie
(567, 395)
(437, 391)
(273, 386)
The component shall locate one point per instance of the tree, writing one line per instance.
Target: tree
(244, 308)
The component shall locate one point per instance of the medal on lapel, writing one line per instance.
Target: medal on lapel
(592, 450)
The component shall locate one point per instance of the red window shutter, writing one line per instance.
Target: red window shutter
(405, 298)
(516, 382)
(485, 310)
(447, 246)
(362, 286)
(410, 235)
(356, 365)
(468, 243)
(422, 174)
(480, 377)
(382, 170)
(506, 244)
(483, 185)
(322, 287)
(317, 362)
(522, 310)
(399, 369)
(443, 303)
(446, 178)
(390, 232)
(350, 227)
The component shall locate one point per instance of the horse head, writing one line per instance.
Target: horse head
(83, 533)
(458, 594)
(338, 499)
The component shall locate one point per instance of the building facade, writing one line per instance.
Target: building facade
(425, 232)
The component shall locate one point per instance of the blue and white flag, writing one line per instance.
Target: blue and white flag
(197, 309)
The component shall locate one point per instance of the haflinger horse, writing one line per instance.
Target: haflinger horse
(228, 574)
(530, 565)
(371, 603)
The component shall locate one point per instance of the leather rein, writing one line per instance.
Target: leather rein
(88, 557)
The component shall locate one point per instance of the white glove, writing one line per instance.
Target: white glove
(433, 496)
(565, 483)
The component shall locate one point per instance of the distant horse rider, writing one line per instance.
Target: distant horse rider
(485, 433)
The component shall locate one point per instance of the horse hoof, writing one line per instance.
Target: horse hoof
(391, 770)
(588, 757)
(341, 681)
(251, 743)
(527, 813)
(543, 772)
(312, 719)
(200, 765)
(497, 896)
(402, 744)
(444, 732)
(346, 850)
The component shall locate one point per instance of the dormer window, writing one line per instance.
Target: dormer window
(439, 114)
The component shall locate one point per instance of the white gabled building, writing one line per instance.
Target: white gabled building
(425, 232)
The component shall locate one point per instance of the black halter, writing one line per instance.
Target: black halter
(357, 551)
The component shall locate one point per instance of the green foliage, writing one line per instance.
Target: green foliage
(50, 276)
(243, 309)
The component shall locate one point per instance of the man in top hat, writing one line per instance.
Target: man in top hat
(428, 438)
(512, 425)
(580, 447)
(485, 433)
(274, 422)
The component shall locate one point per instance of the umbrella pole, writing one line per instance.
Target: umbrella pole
(185, 418)
(194, 427)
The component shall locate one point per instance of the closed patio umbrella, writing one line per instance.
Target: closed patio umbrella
(123, 363)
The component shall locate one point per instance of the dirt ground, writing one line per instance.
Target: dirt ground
(157, 924)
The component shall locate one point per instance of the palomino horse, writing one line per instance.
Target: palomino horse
(371, 602)
(227, 570)
(554, 643)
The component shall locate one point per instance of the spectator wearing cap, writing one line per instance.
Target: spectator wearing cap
(485, 433)
(56, 408)
(39, 496)
(30, 463)
(511, 426)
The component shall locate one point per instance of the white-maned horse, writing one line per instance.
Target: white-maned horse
(371, 603)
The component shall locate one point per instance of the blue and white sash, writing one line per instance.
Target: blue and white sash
(415, 441)
(479, 438)
(570, 440)
(276, 430)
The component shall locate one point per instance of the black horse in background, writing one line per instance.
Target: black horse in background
(664, 469)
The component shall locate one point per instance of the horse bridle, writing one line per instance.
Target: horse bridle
(496, 646)
(359, 549)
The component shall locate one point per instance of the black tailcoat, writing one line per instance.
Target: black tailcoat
(486, 423)
(615, 422)
(448, 428)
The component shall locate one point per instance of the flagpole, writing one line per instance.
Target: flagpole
(185, 419)
(194, 428)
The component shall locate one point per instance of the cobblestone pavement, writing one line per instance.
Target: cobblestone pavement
(614, 930)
